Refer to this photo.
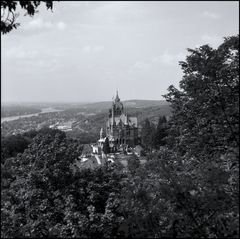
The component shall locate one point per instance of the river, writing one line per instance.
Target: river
(43, 110)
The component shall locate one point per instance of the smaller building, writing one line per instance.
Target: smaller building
(87, 162)
(138, 150)
(92, 161)
(95, 149)
(87, 150)
(65, 127)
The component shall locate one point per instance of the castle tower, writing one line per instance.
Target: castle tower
(113, 118)
(121, 128)
(117, 99)
(101, 133)
(126, 119)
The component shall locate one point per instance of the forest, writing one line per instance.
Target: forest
(188, 188)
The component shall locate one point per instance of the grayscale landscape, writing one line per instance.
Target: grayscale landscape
(119, 119)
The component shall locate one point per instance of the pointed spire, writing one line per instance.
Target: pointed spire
(117, 97)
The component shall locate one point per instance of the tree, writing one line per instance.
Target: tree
(9, 15)
(13, 144)
(160, 133)
(46, 163)
(147, 134)
(133, 163)
(106, 147)
(206, 108)
(204, 130)
(190, 188)
(76, 203)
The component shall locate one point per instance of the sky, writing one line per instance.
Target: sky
(85, 51)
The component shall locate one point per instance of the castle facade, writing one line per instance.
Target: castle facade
(121, 129)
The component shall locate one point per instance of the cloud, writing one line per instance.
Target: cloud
(61, 25)
(89, 48)
(169, 59)
(117, 12)
(20, 53)
(38, 23)
(98, 48)
(141, 65)
(165, 59)
(211, 15)
(211, 39)
(50, 64)
(86, 48)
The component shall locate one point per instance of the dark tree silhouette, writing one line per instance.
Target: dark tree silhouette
(106, 148)
(148, 130)
(9, 15)
(161, 132)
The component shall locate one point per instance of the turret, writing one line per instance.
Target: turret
(117, 99)
(113, 118)
(101, 133)
(126, 119)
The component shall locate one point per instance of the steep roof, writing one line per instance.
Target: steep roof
(138, 148)
(89, 162)
(124, 120)
(86, 149)
(133, 121)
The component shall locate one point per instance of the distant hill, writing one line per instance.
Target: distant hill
(144, 103)
(14, 110)
(151, 112)
(128, 103)
(142, 109)
(93, 116)
(99, 106)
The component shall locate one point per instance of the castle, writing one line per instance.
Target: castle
(121, 130)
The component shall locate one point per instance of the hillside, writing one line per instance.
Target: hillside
(128, 103)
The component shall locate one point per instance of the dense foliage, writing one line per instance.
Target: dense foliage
(42, 196)
(14, 144)
(188, 188)
(153, 137)
(206, 109)
(204, 135)
(106, 147)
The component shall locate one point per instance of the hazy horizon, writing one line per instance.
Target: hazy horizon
(85, 51)
(74, 102)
